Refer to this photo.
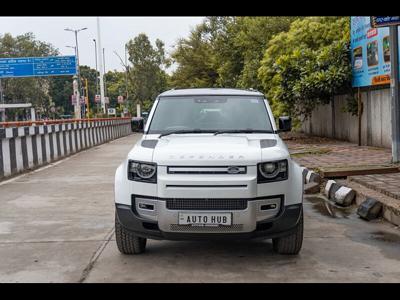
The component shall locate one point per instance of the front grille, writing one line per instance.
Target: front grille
(231, 170)
(206, 204)
(186, 228)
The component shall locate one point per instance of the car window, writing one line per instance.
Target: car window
(210, 113)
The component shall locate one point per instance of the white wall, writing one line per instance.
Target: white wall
(375, 123)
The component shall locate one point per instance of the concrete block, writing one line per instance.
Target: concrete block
(328, 187)
(313, 177)
(334, 188)
(344, 196)
(305, 172)
(311, 188)
(369, 209)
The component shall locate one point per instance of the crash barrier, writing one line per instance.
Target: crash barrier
(28, 145)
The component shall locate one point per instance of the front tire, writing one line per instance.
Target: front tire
(292, 243)
(127, 242)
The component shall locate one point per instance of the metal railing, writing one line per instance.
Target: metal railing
(60, 121)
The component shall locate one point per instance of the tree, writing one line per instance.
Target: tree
(147, 76)
(60, 90)
(307, 65)
(225, 51)
(251, 39)
(115, 86)
(194, 57)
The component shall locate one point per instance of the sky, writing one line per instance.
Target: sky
(115, 32)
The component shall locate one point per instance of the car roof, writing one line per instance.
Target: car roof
(210, 91)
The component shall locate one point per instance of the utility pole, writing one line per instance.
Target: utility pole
(394, 88)
(100, 67)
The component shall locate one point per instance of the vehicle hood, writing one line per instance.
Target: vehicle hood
(209, 150)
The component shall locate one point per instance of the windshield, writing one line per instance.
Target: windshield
(210, 113)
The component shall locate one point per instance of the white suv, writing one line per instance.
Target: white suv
(210, 165)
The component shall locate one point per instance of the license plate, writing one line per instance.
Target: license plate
(205, 219)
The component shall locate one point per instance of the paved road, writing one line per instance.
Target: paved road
(56, 225)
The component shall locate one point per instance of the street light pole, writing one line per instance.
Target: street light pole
(100, 67)
(95, 56)
(104, 66)
(126, 73)
(78, 105)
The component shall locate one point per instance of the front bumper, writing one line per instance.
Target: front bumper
(159, 224)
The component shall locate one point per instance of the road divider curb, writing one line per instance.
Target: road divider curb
(311, 176)
(370, 209)
(340, 194)
(344, 196)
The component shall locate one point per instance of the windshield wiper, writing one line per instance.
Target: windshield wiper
(186, 131)
(243, 131)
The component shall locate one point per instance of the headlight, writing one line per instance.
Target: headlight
(142, 171)
(272, 171)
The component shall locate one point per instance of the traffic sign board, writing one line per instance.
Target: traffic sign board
(97, 98)
(37, 66)
(106, 100)
(111, 111)
(120, 99)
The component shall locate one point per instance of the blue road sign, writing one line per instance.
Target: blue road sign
(37, 66)
(385, 21)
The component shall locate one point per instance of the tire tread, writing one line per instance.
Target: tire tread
(292, 243)
(127, 242)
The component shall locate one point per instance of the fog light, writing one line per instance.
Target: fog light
(267, 206)
(146, 206)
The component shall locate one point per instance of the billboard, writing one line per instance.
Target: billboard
(37, 66)
(370, 53)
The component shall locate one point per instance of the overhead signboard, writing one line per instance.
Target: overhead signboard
(370, 53)
(37, 66)
(384, 21)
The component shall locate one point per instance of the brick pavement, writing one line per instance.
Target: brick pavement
(388, 184)
(315, 152)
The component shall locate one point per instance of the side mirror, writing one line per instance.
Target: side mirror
(285, 124)
(137, 124)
